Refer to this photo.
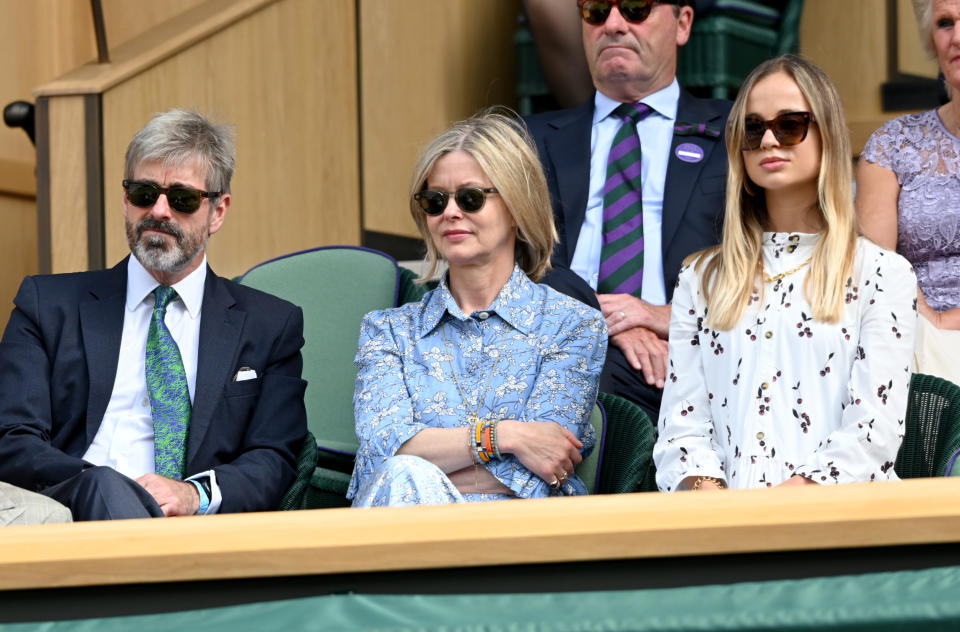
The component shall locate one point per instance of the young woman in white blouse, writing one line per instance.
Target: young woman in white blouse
(791, 341)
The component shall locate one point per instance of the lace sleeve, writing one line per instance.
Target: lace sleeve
(882, 146)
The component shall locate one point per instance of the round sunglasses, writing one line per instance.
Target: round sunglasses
(469, 199)
(596, 12)
(182, 199)
(789, 129)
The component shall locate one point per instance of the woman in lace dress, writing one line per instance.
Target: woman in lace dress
(482, 390)
(790, 342)
(908, 179)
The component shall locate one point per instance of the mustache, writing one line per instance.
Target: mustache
(624, 41)
(148, 223)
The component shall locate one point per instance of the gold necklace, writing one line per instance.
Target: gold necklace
(474, 416)
(777, 277)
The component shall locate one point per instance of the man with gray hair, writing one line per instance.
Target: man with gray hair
(155, 388)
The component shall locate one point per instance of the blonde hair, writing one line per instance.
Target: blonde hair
(726, 268)
(500, 143)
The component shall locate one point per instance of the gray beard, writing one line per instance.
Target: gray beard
(154, 253)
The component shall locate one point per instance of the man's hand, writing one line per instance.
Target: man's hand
(624, 311)
(174, 497)
(645, 352)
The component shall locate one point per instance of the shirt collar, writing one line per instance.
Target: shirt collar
(663, 102)
(509, 304)
(140, 284)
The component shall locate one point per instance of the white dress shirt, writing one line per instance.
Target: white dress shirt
(124, 440)
(656, 137)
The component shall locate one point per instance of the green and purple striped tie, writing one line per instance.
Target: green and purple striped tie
(621, 253)
(168, 390)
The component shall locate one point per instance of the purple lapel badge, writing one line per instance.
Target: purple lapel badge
(688, 152)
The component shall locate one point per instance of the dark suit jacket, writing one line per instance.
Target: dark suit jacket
(693, 192)
(58, 362)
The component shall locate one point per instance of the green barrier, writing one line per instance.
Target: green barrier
(906, 600)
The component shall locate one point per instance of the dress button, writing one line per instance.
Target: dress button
(145, 402)
(765, 386)
(769, 334)
(483, 315)
(759, 435)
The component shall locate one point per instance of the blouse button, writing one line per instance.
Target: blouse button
(765, 386)
(769, 334)
(483, 315)
(759, 435)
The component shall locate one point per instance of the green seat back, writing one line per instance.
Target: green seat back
(932, 434)
(626, 462)
(335, 287)
(589, 468)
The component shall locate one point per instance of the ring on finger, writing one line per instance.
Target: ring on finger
(563, 477)
(623, 315)
(555, 484)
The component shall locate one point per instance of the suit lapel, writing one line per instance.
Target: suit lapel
(681, 175)
(101, 325)
(220, 327)
(566, 148)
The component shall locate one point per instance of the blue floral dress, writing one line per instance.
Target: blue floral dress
(534, 355)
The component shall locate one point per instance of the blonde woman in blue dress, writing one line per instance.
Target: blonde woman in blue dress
(483, 389)
(790, 342)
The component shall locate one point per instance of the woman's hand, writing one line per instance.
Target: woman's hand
(705, 485)
(797, 481)
(545, 448)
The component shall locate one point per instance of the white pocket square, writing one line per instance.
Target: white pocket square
(244, 374)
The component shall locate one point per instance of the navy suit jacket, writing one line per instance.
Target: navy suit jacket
(58, 362)
(693, 199)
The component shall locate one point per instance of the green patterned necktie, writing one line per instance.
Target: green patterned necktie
(169, 393)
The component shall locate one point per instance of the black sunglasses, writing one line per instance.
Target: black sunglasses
(182, 199)
(789, 128)
(469, 199)
(596, 12)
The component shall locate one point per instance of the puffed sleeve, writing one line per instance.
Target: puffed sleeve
(686, 444)
(565, 387)
(865, 447)
(383, 413)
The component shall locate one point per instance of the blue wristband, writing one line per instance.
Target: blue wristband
(204, 500)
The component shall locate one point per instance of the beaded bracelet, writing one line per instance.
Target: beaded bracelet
(496, 444)
(483, 442)
(471, 446)
(478, 428)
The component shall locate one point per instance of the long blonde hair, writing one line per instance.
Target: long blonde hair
(729, 271)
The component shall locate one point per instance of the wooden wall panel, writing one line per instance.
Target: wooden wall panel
(18, 243)
(285, 77)
(849, 41)
(424, 65)
(68, 195)
(912, 57)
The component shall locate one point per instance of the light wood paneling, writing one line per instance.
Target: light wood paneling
(624, 526)
(284, 74)
(849, 41)
(18, 243)
(424, 65)
(68, 186)
(912, 57)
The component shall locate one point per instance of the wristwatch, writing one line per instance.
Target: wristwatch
(205, 493)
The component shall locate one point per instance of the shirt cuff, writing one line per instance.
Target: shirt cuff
(216, 498)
